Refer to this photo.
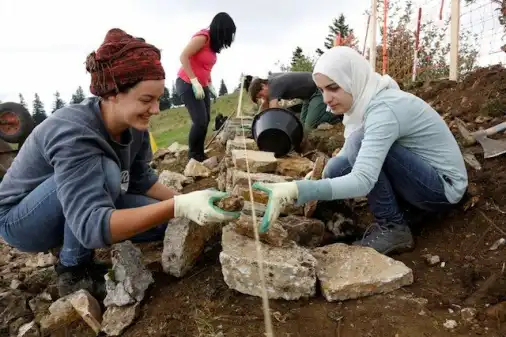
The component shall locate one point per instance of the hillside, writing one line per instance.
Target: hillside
(173, 125)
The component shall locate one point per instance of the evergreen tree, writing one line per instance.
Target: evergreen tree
(22, 100)
(176, 100)
(165, 100)
(38, 113)
(58, 102)
(223, 89)
(297, 55)
(341, 28)
(78, 96)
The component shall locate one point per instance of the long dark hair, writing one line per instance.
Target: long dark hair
(222, 31)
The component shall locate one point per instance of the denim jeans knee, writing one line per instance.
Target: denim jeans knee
(112, 177)
(336, 167)
(353, 144)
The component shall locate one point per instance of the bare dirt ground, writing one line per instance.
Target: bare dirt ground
(470, 275)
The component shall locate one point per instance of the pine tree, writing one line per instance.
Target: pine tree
(223, 89)
(78, 96)
(341, 28)
(165, 100)
(176, 100)
(297, 55)
(58, 102)
(38, 113)
(22, 101)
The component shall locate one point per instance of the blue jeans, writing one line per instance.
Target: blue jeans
(37, 223)
(404, 174)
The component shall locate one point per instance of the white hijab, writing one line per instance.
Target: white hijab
(352, 72)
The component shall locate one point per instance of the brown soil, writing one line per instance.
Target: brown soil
(202, 305)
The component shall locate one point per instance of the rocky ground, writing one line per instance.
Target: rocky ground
(202, 281)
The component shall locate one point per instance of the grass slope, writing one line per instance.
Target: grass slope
(173, 125)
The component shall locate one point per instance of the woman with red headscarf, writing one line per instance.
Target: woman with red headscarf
(194, 84)
(82, 181)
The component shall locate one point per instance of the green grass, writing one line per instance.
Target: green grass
(173, 125)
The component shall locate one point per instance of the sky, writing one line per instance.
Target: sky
(44, 44)
(46, 50)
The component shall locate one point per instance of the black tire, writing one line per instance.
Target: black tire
(25, 120)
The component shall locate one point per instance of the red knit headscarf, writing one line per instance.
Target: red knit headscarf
(121, 60)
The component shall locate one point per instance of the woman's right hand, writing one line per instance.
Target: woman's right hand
(199, 207)
(198, 91)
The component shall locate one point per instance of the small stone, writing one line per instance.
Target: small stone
(258, 161)
(443, 264)
(41, 260)
(289, 272)
(183, 243)
(468, 314)
(211, 163)
(261, 198)
(174, 179)
(177, 148)
(325, 126)
(88, 308)
(14, 310)
(39, 305)
(231, 203)
(341, 226)
(117, 319)
(276, 235)
(349, 272)
(61, 314)
(15, 283)
(128, 280)
(294, 166)
(196, 169)
(303, 231)
(431, 260)
(30, 329)
(450, 324)
(496, 245)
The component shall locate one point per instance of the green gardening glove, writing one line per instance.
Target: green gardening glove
(280, 195)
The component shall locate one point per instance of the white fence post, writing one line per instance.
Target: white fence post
(454, 42)
(373, 26)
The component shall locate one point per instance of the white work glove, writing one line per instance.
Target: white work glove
(199, 207)
(198, 91)
(212, 89)
(280, 195)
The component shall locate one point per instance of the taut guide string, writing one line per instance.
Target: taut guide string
(265, 300)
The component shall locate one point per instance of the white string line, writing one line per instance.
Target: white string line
(265, 300)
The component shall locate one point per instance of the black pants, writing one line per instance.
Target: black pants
(200, 113)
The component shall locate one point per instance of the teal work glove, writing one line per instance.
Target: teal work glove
(280, 195)
(199, 207)
(212, 89)
(198, 91)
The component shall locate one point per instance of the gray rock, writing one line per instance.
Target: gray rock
(117, 319)
(128, 280)
(289, 271)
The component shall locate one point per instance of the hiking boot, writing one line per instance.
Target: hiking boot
(387, 238)
(88, 276)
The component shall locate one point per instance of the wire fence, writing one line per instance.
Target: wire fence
(433, 39)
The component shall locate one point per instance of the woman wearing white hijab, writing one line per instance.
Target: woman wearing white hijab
(396, 146)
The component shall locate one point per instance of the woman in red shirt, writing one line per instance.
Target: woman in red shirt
(193, 82)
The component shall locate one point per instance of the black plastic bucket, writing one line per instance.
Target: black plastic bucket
(277, 130)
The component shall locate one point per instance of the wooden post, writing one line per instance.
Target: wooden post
(372, 44)
(454, 42)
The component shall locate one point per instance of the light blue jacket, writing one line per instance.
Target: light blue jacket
(395, 116)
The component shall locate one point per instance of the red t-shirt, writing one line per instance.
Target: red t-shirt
(202, 62)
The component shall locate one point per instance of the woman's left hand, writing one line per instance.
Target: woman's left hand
(280, 195)
(212, 89)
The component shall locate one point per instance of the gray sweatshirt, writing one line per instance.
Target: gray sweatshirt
(70, 145)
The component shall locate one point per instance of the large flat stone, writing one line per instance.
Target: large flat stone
(304, 231)
(258, 161)
(183, 243)
(261, 198)
(289, 272)
(294, 166)
(348, 272)
(276, 235)
(238, 143)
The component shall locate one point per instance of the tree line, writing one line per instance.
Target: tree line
(169, 99)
